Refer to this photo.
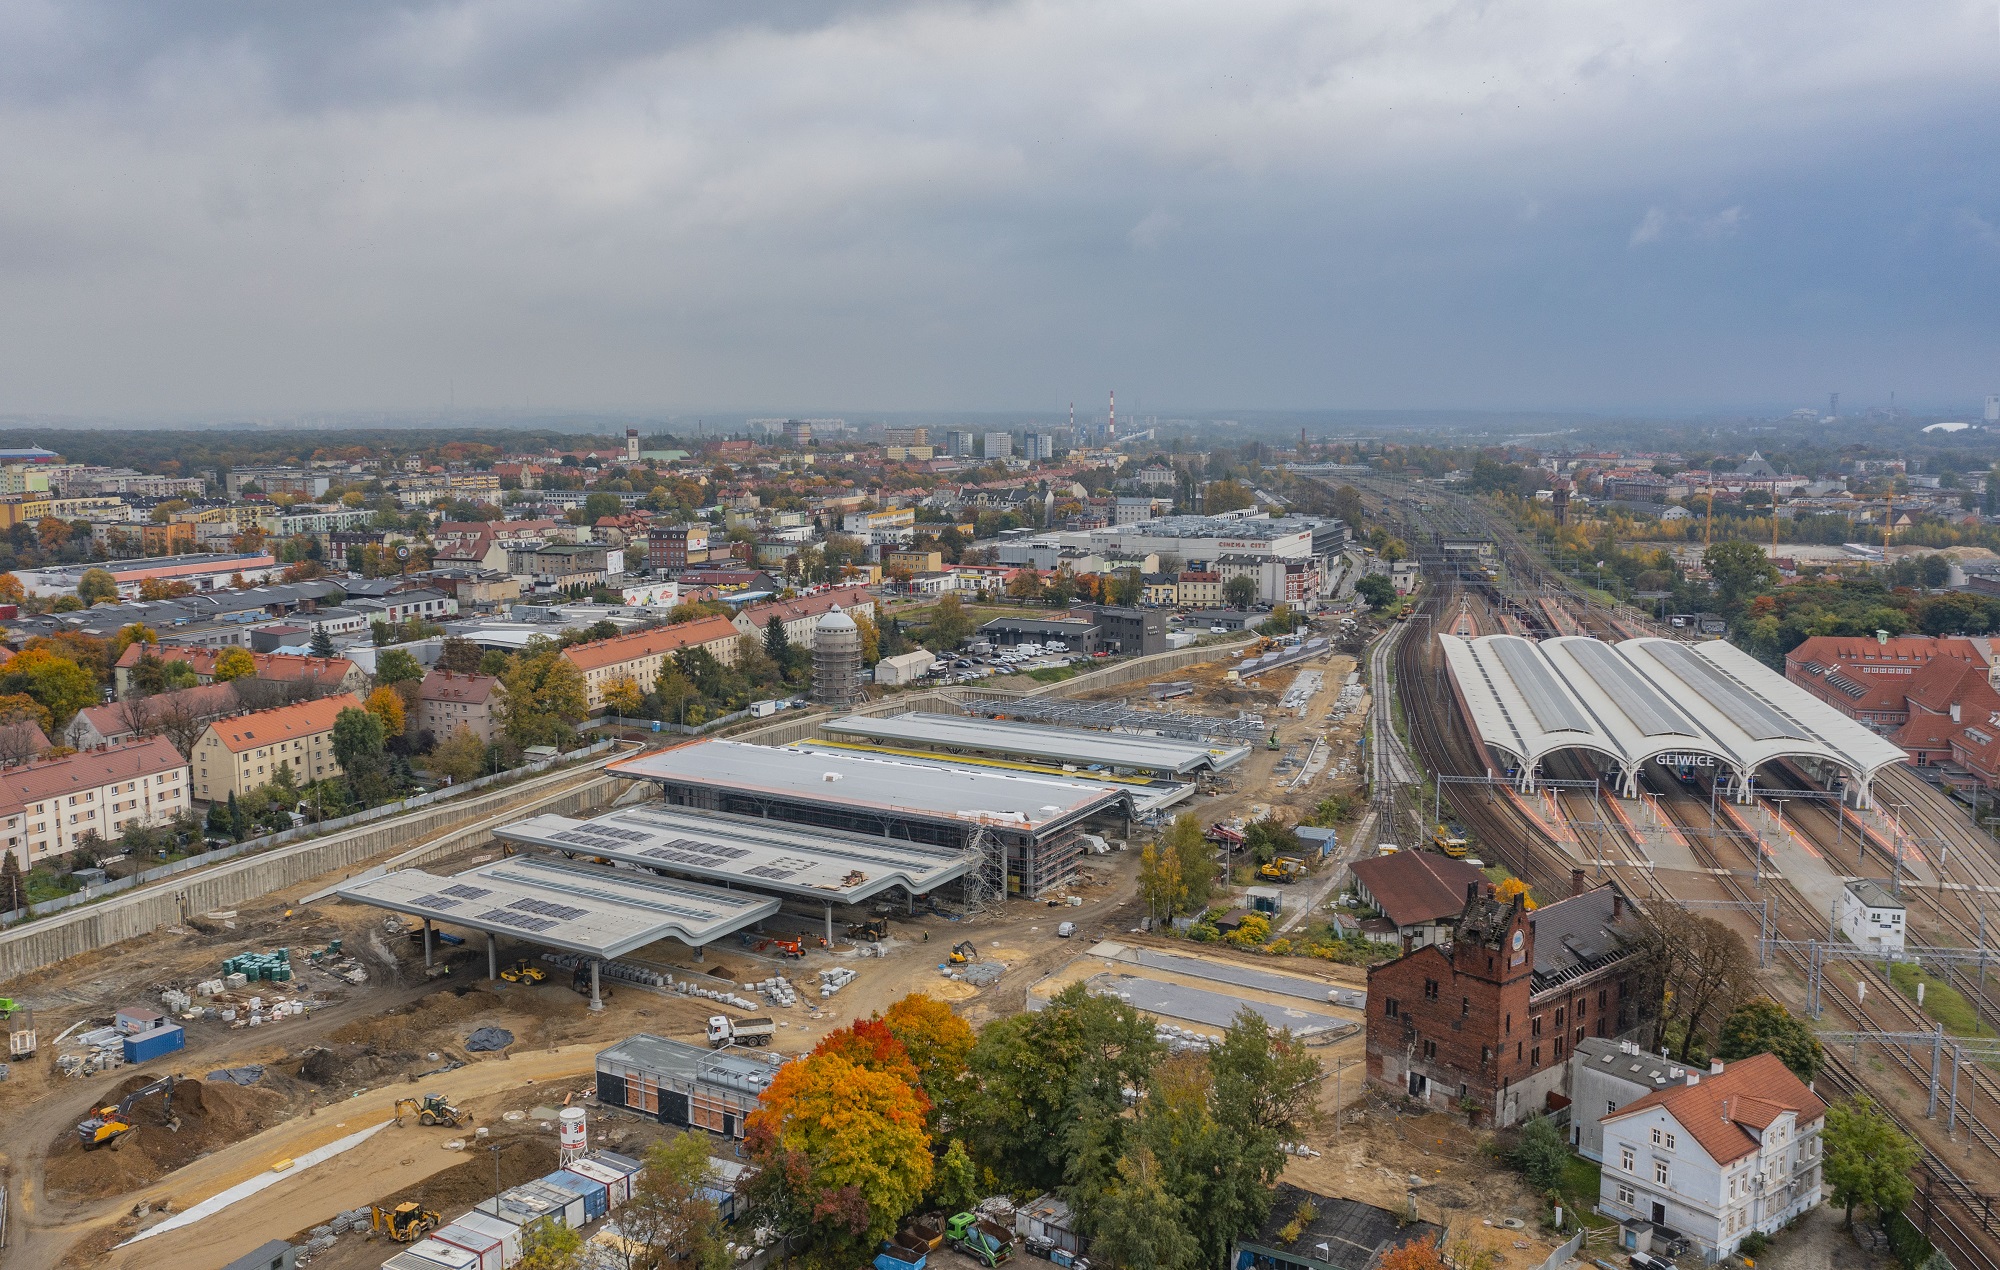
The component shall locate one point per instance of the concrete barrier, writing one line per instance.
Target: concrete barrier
(44, 941)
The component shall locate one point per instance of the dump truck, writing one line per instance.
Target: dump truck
(406, 1222)
(723, 1030)
(979, 1239)
(434, 1109)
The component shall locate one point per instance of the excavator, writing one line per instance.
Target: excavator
(1285, 868)
(963, 953)
(109, 1124)
(522, 971)
(435, 1109)
(406, 1222)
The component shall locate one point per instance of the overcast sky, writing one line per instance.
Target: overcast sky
(1626, 204)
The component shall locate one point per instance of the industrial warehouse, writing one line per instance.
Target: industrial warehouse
(1026, 829)
(1653, 700)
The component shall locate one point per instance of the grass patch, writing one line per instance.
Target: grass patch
(1580, 1184)
(1054, 674)
(1941, 1001)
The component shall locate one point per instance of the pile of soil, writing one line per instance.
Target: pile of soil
(211, 1116)
(329, 1066)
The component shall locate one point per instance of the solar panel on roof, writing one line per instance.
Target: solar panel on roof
(435, 901)
(1642, 703)
(1551, 704)
(561, 912)
(1748, 711)
(465, 892)
(767, 871)
(521, 921)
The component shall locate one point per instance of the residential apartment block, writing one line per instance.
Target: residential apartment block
(640, 656)
(447, 701)
(239, 754)
(49, 806)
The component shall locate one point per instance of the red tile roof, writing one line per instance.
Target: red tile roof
(445, 685)
(807, 605)
(286, 723)
(46, 778)
(1749, 1092)
(288, 667)
(660, 639)
(206, 701)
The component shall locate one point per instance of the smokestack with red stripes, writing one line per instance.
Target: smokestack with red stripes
(1112, 430)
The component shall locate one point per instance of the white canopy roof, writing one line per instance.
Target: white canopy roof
(1645, 697)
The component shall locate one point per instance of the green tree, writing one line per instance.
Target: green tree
(1160, 887)
(1541, 1154)
(177, 674)
(1868, 1159)
(545, 695)
(396, 665)
(1765, 1027)
(1195, 859)
(597, 506)
(1377, 590)
(1740, 571)
(14, 887)
(461, 756)
(777, 645)
(459, 655)
(670, 1223)
(322, 643)
(358, 740)
(1140, 1223)
(950, 624)
(954, 1183)
(239, 823)
(1037, 1075)
(96, 586)
(550, 1245)
(1240, 592)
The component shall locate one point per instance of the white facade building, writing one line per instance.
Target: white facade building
(1870, 917)
(1733, 1150)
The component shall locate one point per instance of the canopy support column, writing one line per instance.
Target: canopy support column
(492, 956)
(427, 943)
(596, 1001)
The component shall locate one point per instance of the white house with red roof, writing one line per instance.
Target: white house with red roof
(1736, 1149)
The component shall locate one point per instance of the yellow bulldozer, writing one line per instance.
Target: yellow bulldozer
(522, 971)
(434, 1109)
(406, 1222)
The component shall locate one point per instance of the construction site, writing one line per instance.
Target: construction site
(405, 1033)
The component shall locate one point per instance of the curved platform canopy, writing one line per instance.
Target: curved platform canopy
(1652, 699)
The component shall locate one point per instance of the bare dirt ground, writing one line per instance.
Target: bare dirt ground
(1818, 1242)
(341, 1068)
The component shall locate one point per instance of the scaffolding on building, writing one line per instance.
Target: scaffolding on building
(1118, 716)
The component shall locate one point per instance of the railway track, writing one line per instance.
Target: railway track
(1965, 1221)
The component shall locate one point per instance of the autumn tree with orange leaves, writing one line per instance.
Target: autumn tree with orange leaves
(939, 1045)
(841, 1145)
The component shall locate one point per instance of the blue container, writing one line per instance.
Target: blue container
(596, 1196)
(150, 1045)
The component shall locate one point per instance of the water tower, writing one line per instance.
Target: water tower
(836, 660)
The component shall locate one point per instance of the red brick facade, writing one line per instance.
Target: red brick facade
(1471, 1020)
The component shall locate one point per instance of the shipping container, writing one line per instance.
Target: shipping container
(596, 1196)
(150, 1045)
(522, 1207)
(429, 1254)
(489, 1249)
(615, 1181)
(568, 1204)
(505, 1231)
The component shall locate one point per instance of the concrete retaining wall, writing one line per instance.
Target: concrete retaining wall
(45, 941)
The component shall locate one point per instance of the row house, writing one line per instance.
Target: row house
(52, 806)
(448, 701)
(640, 657)
(244, 752)
(321, 674)
(800, 617)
